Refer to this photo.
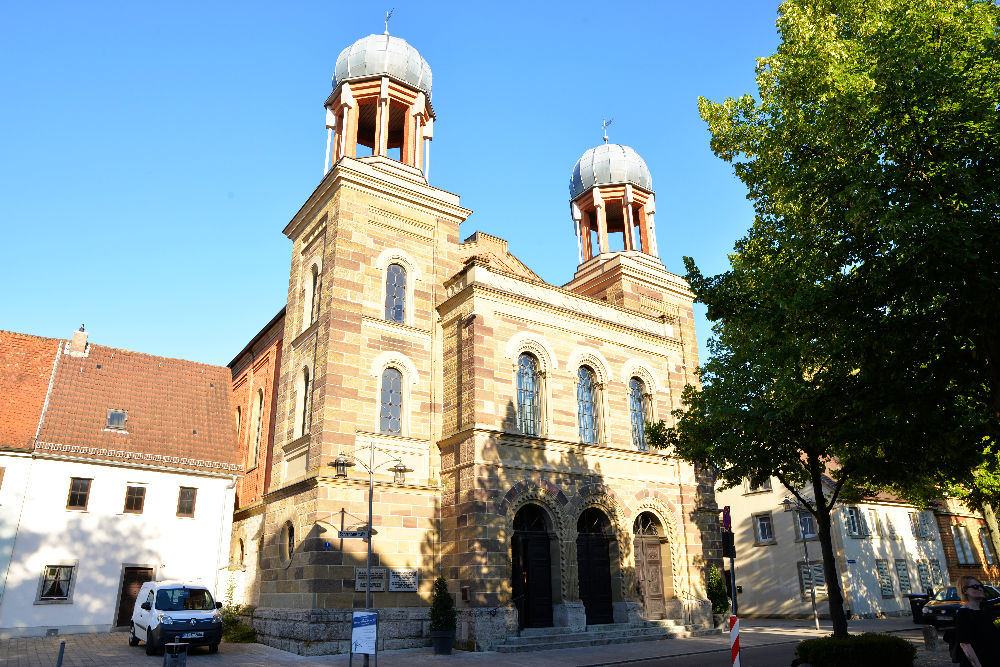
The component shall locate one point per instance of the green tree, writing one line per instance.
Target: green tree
(857, 334)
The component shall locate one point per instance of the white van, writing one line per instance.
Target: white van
(169, 612)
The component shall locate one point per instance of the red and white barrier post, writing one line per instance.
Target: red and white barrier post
(734, 639)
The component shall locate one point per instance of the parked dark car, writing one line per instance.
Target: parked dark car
(940, 611)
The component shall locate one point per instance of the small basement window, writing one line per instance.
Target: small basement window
(116, 419)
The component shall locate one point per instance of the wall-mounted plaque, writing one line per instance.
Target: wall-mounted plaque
(403, 580)
(361, 579)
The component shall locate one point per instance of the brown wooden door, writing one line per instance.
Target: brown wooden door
(649, 575)
(594, 565)
(532, 579)
(133, 580)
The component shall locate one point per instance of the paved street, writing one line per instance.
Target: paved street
(766, 643)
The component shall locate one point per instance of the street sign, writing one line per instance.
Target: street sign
(727, 522)
(350, 534)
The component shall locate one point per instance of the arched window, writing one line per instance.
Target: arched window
(239, 421)
(395, 293)
(304, 415)
(638, 408)
(314, 295)
(255, 450)
(287, 541)
(391, 404)
(528, 395)
(586, 404)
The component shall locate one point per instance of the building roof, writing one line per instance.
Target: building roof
(25, 370)
(609, 164)
(178, 412)
(494, 250)
(377, 55)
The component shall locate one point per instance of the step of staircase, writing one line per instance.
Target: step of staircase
(543, 639)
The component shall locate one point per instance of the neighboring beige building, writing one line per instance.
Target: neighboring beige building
(885, 549)
(517, 407)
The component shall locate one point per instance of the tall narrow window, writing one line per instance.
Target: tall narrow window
(255, 450)
(528, 395)
(314, 295)
(903, 574)
(984, 539)
(963, 545)
(586, 404)
(638, 408)
(185, 501)
(395, 293)
(305, 402)
(79, 493)
(239, 421)
(391, 410)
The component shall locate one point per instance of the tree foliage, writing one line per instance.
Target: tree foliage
(857, 334)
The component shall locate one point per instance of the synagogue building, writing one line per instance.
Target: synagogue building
(499, 419)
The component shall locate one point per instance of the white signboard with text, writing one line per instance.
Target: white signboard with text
(363, 633)
(361, 579)
(403, 580)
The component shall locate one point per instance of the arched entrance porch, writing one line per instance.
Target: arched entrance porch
(531, 567)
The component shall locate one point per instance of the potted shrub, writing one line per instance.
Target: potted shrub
(443, 616)
(718, 596)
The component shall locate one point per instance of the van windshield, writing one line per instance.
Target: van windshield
(184, 599)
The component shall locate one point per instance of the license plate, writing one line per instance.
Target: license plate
(945, 617)
(192, 635)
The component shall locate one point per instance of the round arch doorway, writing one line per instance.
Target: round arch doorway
(649, 565)
(531, 568)
(593, 559)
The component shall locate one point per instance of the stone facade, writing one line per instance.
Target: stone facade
(466, 312)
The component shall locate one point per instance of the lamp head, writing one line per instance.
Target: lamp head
(787, 504)
(342, 464)
(399, 472)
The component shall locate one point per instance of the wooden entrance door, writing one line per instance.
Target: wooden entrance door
(649, 575)
(593, 560)
(532, 579)
(133, 580)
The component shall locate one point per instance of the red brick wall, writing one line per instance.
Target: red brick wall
(257, 369)
(25, 369)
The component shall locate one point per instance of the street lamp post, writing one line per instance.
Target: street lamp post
(799, 510)
(399, 471)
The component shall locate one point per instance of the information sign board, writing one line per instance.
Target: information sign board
(403, 580)
(348, 534)
(361, 579)
(364, 631)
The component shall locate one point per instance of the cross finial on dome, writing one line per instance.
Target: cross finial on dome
(388, 15)
(605, 122)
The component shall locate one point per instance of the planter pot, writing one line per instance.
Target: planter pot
(442, 641)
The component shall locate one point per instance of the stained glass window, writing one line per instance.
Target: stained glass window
(527, 394)
(586, 404)
(390, 414)
(395, 293)
(637, 406)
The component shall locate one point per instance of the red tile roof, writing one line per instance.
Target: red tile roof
(25, 369)
(178, 412)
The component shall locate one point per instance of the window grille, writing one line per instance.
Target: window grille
(395, 293)
(391, 404)
(586, 404)
(937, 575)
(528, 395)
(903, 573)
(638, 410)
(924, 575)
(884, 580)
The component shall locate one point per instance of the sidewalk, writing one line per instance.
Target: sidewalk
(112, 649)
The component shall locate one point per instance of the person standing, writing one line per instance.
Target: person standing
(978, 638)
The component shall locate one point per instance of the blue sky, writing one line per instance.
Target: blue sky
(151, 154)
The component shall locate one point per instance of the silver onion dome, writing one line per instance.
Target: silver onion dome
(377, 55)
(609, 164)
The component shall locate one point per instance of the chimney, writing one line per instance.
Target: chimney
(78, 346)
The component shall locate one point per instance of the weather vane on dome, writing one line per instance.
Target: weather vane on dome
(388, 15)
(605, 122)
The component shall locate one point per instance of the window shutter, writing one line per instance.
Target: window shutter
(926, 526)
(864, 523)
(884, 580)
(924, 574)
(811, 574)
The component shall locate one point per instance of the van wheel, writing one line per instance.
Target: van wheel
(150, 648)
(213, 648)
(132, 639)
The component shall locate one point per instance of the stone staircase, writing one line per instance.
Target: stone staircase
(542, 639)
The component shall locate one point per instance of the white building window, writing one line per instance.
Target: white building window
(805, 526)
(763, 528)
(763, 487)
(984, 539)
(937, 576)
(963, 545)
(874, 524)
(812, 574)
(914, 524)
(903, 573)
(854, 522)
(884, 579)
(56, 584)
(924, 575)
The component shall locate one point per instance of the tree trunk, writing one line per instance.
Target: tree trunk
(835, 596)
(986, 509)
